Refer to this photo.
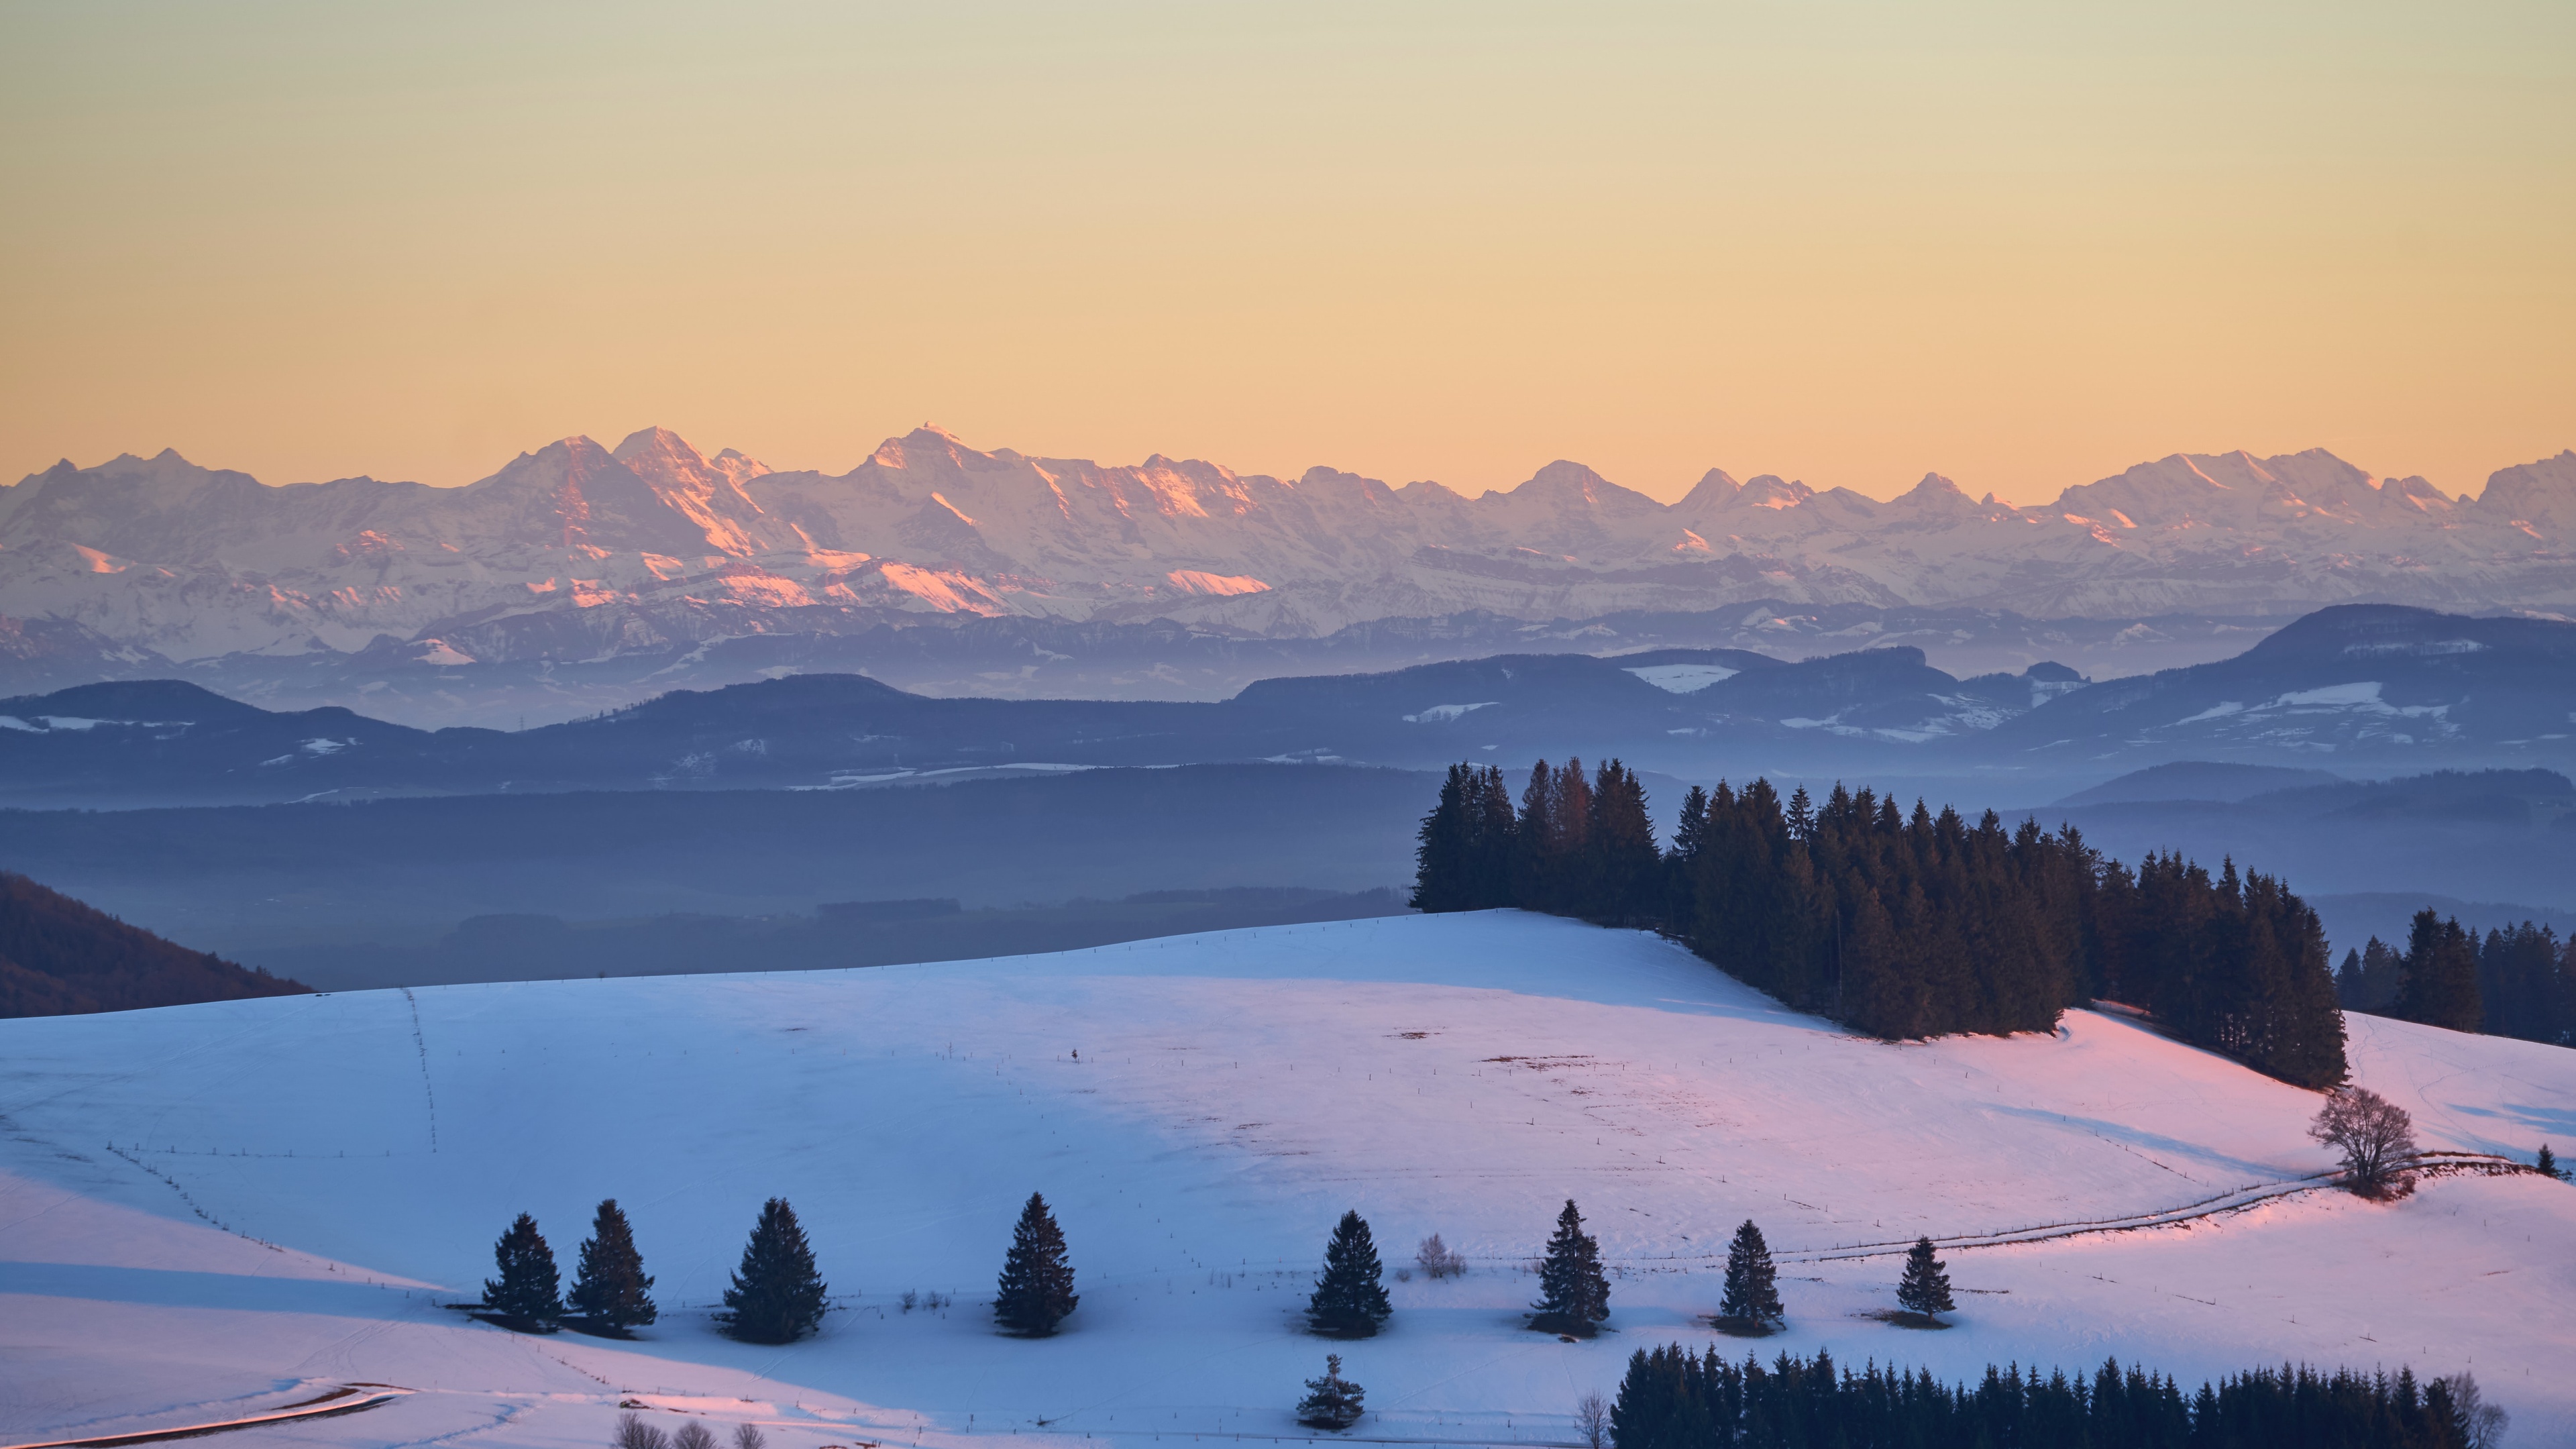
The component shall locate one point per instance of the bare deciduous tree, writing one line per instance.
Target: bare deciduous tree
(748, 1436)
(634, 1433)
(694, 1435)
(2375, 1136)
(1592, 1420)
(2484, 1422)
(1436, 1259)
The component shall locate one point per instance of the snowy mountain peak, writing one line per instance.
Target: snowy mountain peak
(576, 547)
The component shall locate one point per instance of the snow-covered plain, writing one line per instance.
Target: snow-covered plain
(215, 1210)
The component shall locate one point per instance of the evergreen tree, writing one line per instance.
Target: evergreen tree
(1626, 869)
(1444, 854)
(776, 1296)
(2438, 981)
(1037, 1281)
(1331, 1402)
(1350, 1297)
(1752, 1295)
(2379, 972)
(1924, 1288)
(524, 1296)
(1574, 1294)
(611, 1288)
(1490, 835)
(2546, 1164)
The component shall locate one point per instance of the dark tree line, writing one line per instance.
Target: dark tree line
(777, 1295)
(1900, 925)
(2519, 982)
(1672, 1399)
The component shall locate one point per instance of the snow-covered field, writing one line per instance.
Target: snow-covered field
(214, 1210)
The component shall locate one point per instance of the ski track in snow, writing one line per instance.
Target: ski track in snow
(1233, 1093)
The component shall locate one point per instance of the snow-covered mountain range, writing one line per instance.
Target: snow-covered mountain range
(576, 551)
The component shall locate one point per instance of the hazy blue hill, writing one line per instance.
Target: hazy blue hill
(2199, 780)
(59, 957)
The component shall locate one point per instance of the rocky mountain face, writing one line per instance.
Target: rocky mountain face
(578, 552)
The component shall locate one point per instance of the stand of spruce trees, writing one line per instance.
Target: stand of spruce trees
(1672, 1399)
(1900, 925)
(2518, 982)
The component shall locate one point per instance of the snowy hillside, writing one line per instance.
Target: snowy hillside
(213, 1210)
(576, 551)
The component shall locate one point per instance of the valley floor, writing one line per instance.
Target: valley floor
(216, 1210)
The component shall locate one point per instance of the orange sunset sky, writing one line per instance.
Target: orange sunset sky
(2024, 245)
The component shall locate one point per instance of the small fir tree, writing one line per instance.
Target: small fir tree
(1331, 1402)
(2547, 1164)
(1037, 1282)
(776, 1296)
(524, 1296)
(611, 1290)
(1574, 1296)
(1752, 1283)
(1350, 1297)
(1925, 1288)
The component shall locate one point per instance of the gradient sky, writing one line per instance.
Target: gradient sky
(2024, 245)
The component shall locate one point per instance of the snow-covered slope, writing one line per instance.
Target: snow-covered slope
(577, 551)
(241, 1204)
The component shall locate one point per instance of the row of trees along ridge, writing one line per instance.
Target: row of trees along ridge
(777, 1295)
(2517, 982)
(1900, 925)
(1672, 1398)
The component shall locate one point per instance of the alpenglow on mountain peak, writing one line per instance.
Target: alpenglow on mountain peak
(580, 547)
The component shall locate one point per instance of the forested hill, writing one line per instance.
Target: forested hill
(59, 957)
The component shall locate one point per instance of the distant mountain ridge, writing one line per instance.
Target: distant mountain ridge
(576, 551)
(2374, 688)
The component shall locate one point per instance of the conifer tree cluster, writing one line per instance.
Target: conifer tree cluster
(2437, 981)
(1036, 1291)
(1673, 1399)
(2517, 982)
(1902, 925)
(2510, 983)
(2527, 985)
(1350, 1297)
